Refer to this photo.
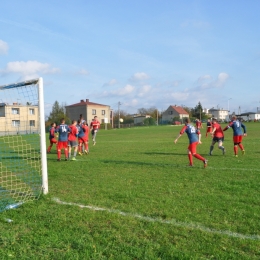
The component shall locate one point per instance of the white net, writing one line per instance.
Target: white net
(20, 144)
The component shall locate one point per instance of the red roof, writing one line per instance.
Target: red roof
(180, 110)
(84, 103)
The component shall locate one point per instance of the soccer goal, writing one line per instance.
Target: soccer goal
(23, 162)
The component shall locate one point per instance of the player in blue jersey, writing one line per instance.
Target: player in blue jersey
(63, 131)
(238, 134)
(194, 137)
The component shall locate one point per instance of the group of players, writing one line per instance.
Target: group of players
(74, 136)
(217, 133)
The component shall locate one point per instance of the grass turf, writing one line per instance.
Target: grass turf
(133, 197)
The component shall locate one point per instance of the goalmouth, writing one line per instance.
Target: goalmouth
(23, 161)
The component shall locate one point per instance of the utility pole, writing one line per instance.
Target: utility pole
(119, 104)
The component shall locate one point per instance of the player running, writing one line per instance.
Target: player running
(218, 137)
(194, 139)
(209, 127)
(52, 137)
(238, 134)
(94, 126)
(63, 131)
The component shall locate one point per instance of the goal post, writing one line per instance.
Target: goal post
(23, 160)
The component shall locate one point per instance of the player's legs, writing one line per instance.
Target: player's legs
(221, 147)
(192, 148)
(212, 146)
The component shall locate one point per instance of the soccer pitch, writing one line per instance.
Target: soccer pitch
(133, 197)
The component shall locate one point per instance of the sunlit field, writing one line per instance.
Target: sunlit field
(133, 197)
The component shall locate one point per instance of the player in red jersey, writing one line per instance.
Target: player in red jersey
(52, 137)
(94, 126)
(83, 137)
(72, 140)
(238, 134)
(198, 124)
(209, 127)
(194, 139)
(217, 137)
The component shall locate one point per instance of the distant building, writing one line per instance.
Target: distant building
(249, 116)
(18, 118)
(89, 110)
(219, 114)
(139, 119)
(174, 111)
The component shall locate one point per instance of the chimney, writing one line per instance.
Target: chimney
(81, 100)
(87, 100)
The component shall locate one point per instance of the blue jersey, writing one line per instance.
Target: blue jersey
(237, 126)
(191, 132)
(63, 131)
(81, 132)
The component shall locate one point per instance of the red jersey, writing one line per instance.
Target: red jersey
(198, 124)
(95, 124)
(73, 134)
(218, 132)
(86, 129)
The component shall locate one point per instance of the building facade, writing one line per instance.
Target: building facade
(18, 119)
(89, 110)
(174, 111)
(219, 114)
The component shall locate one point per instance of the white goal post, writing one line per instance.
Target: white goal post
(23, 160)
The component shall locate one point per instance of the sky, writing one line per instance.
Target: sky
(136, 53)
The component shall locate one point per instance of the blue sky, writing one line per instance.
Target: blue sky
(141, 53)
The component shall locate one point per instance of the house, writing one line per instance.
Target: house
(249, 116)
(18, 119)
(174, 111)
(89, 110)
(139, 119)
(219, 114)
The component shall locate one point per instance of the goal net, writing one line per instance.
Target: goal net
(23, 164)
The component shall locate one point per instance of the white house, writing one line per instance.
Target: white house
(139, 119)
(248, 116)
(174, 111)
(219, 114)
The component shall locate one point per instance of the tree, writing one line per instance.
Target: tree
(58, 112)
(149, 121)
(197, 112)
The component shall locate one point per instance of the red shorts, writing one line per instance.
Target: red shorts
(237, 138)
(53, 141)
(83, 139)
(62, 145)
(192, 147)
(208, 129)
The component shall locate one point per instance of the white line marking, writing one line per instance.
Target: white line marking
(171, 222)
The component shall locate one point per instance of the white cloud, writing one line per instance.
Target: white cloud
(28, 69)
(222, 78)
(144, 90)
(3, 47)
(139, 76)
(83, 72)
(112, 82)
(128, 89)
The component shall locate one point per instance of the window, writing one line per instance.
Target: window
(103, 112)
(94, 111)
(15, 111)
(16, 123)
(31, 111)
(170, 112)
(32, 122)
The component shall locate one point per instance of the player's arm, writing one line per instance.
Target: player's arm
(180, 134)
(244, 128)
(213, 131)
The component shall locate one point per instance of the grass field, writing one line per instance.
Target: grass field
(133, 197)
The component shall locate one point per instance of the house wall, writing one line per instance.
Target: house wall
(219, 114)
(24, 116)
(170, 113)
(88, 112)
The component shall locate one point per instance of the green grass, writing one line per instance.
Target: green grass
(151, 205)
